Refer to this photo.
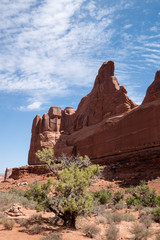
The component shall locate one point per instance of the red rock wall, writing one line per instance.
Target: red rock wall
(131, 131)
(46, 130)
(107, 123)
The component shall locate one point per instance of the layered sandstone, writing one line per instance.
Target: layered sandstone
(106, 99)
(107, 125)
(46, 130)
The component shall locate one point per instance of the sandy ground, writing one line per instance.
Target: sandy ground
(20, 233)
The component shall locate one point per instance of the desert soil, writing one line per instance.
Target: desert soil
(20, 233)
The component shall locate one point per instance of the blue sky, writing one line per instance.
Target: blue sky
(51, 50)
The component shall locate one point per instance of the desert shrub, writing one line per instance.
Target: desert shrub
(117, 197)
(156, 214)
(23, 222)
(8, 223)
(46, 155)
(119, 206)
(36, 217)
(146, 220)
(112, 232)
(2, 218)
(132, 201)
(52, 236)
(18, 192)
(102, 196)
(8, 199)
(39, 193)
(91, 230)
(101, 219)
(142, 196)
(114, 217)
(130, 190)
(118, 217)
(128, 218)
(158, 237)
(98, 209)
(157, 200)
(36, 228)
(70, 198)
(140, 232)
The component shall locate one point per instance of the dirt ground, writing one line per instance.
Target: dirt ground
(20, 233)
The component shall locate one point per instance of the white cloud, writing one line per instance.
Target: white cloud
(48, 47)
(127, 26)
(47, 50)
(32, 106)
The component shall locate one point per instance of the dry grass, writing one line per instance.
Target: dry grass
(36, 229)
(91, 230)
(146, 220)
(140, 232)
(52, 236)
(118, 217)
(8, 223)
(112, 232)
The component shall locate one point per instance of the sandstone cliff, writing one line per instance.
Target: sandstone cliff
(106, 99)
(107, 123)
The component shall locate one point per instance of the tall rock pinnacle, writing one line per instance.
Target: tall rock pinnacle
(153, 91)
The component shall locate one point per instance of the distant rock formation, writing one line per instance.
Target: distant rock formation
(107, 123)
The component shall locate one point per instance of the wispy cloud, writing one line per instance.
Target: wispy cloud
(48, 47)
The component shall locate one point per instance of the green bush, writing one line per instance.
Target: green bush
(71, 197)
(117, 197)
(142, 196)
(156, 214)
(103, 196)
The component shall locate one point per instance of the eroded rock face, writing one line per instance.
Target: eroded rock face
(153, 91)
(46, 130)
(107, 122)
(106, 99)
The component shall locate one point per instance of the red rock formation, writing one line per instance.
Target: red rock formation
(106, 125)
(128, 132)
(153, 91)
(106, 99)
(46, 131)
